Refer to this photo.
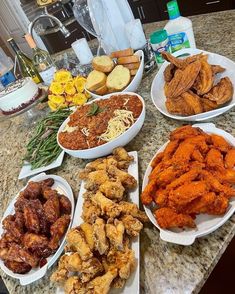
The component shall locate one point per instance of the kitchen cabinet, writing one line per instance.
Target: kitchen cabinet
(154, 10)
(146, 10)
(192, 7)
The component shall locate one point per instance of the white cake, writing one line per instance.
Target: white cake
(18, 95)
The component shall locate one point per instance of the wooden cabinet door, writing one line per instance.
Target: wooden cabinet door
(193, 7)
(146, 10)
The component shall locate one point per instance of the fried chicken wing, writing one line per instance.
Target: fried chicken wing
(197, 156)
(61, 274)
(18, 254)
(185, 132)
(182, 80)
(222, 92)
(132, 225)
(31, 219)
(100, 237)
(112, 190)
(220, 143)
(115, 233)
(88, 234)
(183, 153)
(185, 178)
(12, 227)
(57, 231)
(170, 149)
(65, 205)
(214, 159)
(149, 191)
(208, 105)
(73, 285)
(219, 206)
(101, 284)
(178, 106)
(128, 208)
(90, 269)
(161, 197)
(186, 193)
(201, 204)
(33, 190)
(167, 218)
(95, 179)
(52, 209)
(122, 155)
(127, 180)
(107, 206)
(17, 267)
(37, 244)
(157, 159)
(90, 211)
(77, 243)
(230, 159)
(205, 79)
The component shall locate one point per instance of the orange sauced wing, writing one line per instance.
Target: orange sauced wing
(148, 193)
(214, 159)
(157, 159)
(167, 218)
(230, 159)
(201, 204)
(219, 206)
(220, 143)
(185, 132)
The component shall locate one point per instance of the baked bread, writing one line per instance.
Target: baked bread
(128, 59)
(133, 72)
(103, 63)
(122, 53)
(134, 65)
(118, 79)
(95, 80)
(102, 90)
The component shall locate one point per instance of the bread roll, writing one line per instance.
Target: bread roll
(95, 80)
(128, 59)
(102, 90)
(103, 63)
(122, 53)
(118, 79)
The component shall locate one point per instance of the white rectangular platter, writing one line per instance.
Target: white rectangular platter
(132, 284)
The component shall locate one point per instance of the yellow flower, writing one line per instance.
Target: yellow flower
(56, 99)
(79, 99)
(69, 88)
(56, 88)
(62, 76)
(52, 106)
(79, 83)
(69, 98)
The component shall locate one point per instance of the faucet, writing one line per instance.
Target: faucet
(62, 28)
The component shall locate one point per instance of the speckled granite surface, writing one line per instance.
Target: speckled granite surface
(165, 268)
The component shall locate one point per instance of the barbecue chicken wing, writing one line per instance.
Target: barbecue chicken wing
(57, 231)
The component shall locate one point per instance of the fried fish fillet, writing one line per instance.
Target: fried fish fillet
(178, 62)
(183, 80)
(193, 101)
(205, 79)
(222, 92)
(178, 106)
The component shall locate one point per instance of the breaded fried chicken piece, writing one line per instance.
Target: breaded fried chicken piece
(121, 154)
(100, 237)
(95, 179)
(132, 209)
(132, 225)
(186, 193)
(73, 285)
(77, 243)
(90, 211)
(115, 232)
(102, 284)
(127, 180)
(107, 206)
(112, 190)
(230, 159)
(88, 233)
(167, 218)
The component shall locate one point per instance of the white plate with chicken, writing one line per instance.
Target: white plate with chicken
(103, 246)
(33, 227)
(196, 86)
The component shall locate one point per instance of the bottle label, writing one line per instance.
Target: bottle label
(36, 79)
(47, 75)
(179, 41)
(159, 48)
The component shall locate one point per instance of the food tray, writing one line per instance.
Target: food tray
(157, 88)
(132, 284)
(62, 186)
(206, 224)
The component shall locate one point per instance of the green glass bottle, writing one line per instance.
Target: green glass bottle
(27, 68)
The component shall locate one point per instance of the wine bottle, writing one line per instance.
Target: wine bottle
(42, 61)
(27, 68)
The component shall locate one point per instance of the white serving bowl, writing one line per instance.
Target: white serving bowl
(107, 148)
(205, 223)
(134, 84)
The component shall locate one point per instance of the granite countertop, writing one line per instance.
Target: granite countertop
(165, 268)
